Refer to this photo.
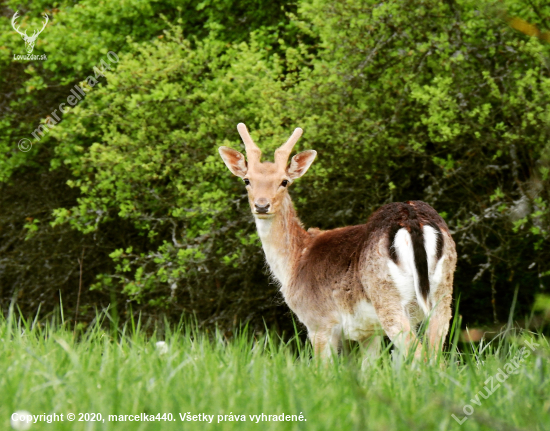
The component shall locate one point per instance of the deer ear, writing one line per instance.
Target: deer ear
(234, 160)
(300, 163)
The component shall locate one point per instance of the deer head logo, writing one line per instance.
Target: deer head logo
(29, 40)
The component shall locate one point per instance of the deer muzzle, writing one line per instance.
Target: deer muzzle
(262, 206)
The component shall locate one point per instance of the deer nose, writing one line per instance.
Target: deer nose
(262, 206)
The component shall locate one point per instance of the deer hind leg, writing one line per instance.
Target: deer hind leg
(326, 342)
(371, 347)
(386, 300)
(397, 326)
(438, 325)
(441, 287)
(441, 314)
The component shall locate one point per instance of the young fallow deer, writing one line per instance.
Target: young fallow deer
(391, 272)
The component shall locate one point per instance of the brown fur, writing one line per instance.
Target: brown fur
(327, 276)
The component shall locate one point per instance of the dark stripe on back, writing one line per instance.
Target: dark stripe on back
(420, 256)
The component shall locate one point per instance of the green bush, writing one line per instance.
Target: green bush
(402, 100)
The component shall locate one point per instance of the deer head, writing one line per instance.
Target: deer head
(267, 183)
(29, 40)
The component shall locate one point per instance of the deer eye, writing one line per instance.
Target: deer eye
(284, 183)
(246, 181)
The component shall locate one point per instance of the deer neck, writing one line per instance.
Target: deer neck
(283, 238)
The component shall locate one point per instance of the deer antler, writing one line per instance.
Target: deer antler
(43, 27)
(253, 152)
(283, 152)
(15, 16)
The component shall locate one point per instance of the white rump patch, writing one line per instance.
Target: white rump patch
(361, 323)
(435, 267)
(430, 244)
(404, 274)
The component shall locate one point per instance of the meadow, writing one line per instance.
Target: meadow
(123, 195)
(49, 368)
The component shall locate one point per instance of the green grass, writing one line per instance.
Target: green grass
(45, 371)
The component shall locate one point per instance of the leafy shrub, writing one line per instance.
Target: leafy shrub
(402, 100)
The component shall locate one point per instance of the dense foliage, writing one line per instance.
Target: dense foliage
(443, 102)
